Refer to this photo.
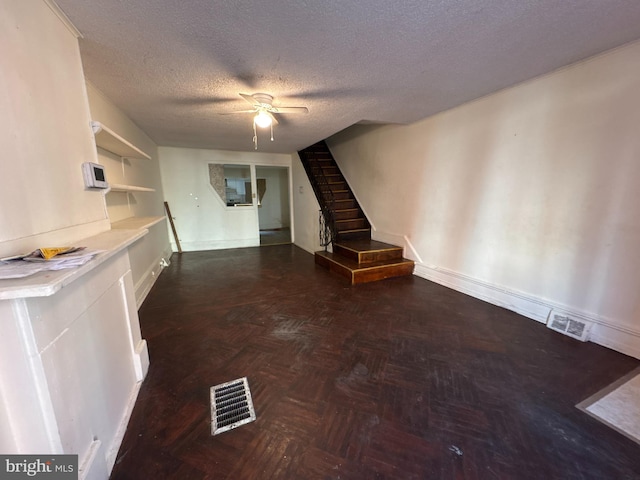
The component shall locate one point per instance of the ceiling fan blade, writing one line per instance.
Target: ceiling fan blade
(250, 99)
(237, 111)
(290, 110)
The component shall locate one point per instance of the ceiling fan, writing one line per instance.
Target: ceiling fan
(264, 111)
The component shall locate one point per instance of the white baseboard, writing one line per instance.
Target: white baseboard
(621, 340)
(216, 245)
(141, 360)
(518, 302)
(306, 248)
(122, 428)
(605, 331)
(148, 279)
(93, 466)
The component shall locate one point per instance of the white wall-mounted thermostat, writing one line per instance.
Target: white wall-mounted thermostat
(94, 176)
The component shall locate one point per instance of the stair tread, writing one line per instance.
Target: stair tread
(355, 266)
(366, 245)
(346, 220)
(353, 230)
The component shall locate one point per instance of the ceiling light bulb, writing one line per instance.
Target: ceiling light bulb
(262, 119)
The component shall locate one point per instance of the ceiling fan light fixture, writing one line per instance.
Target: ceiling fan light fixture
(262, 119)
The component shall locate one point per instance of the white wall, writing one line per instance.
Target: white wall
(45, 133)
(528, 198)
(274, 211)
(202, 220)
(305, 209)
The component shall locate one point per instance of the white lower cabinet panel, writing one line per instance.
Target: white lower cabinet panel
(90, 370)
(70, 368)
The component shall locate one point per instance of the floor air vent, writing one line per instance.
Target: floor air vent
(578, 329)
(231, 406)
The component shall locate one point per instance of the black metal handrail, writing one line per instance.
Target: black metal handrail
(324, 230)
(325, 197)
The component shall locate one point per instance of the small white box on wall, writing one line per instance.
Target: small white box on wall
(94, 175)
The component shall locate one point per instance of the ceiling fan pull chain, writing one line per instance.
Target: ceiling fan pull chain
(272, 132)
(255, 137)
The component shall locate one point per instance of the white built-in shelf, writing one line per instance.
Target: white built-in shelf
(136, 223)
(118, 187)
(114, 143)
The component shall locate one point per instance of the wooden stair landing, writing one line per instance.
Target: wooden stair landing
(365, 260)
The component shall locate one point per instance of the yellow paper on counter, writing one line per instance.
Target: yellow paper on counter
(48, 253)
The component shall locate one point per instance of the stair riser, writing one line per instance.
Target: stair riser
(353, 235)
(343, 204)
(366, 275)
(369, 257)
(338, 195)
(381, 273)
(348, 214)
(351, 224)
(333, 187)
(327, 172)
(322, 163)
(331, 174)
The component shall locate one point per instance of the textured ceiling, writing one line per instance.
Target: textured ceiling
(172, 66)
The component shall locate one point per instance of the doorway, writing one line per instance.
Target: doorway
(274, 217)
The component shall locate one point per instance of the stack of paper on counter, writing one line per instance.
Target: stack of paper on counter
(55, 258)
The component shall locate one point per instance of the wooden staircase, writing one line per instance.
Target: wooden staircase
(333, 193)
(355, 256)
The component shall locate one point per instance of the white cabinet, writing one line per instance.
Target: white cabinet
(77, 357)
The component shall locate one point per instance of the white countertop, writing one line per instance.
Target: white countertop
(43, 284)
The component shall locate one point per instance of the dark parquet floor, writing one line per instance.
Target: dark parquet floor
(275, 237)
(399, 379)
